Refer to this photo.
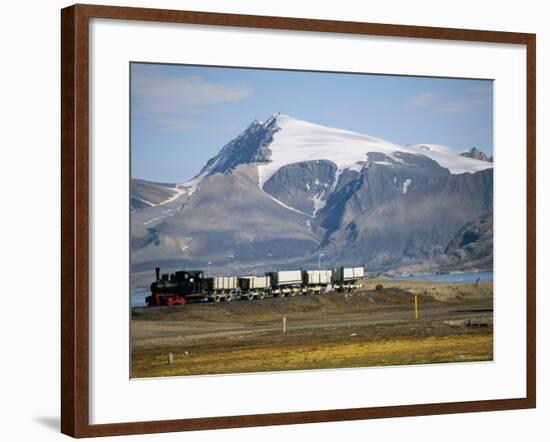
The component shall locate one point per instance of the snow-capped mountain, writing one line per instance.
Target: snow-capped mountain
(283, 140)
(285, 190)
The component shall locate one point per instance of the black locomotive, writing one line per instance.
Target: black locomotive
(176, 288)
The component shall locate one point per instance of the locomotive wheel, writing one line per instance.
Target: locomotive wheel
(217, 298)
(229, 298)
(250, 296)
(261, 296)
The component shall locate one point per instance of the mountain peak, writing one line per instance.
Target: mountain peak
(278, 118)
(250, 146)
(278, 115)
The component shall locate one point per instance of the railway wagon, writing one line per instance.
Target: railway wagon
(317, 281)
(286, 282)
(254, 287)
(222, 288)
(347, 278)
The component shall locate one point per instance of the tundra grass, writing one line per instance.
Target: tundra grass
(304, 356)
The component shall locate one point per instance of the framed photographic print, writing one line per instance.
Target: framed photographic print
(273, 220)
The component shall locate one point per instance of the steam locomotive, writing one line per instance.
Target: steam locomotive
(176, 288)
(191, 285)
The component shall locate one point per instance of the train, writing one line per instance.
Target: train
(185, 286)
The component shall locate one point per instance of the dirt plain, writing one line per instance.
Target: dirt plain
(371, 327)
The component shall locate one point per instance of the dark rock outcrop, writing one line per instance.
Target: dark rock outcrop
(477, 154)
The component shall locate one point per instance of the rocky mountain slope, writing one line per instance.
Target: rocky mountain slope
(146, 194)
(472, 246)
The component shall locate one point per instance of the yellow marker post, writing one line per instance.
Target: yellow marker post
(416, 307)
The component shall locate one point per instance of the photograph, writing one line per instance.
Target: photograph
(288, 220)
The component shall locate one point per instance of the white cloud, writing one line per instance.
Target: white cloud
(474, 99)
(424, 99)
(171, 102)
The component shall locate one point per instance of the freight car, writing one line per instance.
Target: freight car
(254, 287)
(317, 281)
(183, 286)
(286, 282)
(346, 279)
(221, 288)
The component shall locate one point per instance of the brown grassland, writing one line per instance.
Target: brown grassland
(362, 329)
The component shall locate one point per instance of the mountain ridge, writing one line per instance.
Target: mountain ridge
(284, 191)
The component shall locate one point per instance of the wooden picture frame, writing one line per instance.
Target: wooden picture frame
(75, 379)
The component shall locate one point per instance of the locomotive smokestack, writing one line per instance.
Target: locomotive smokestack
(157, 273)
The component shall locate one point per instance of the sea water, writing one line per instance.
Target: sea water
(449, 277)
(137, 299)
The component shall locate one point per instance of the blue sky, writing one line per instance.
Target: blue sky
(183, 115)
